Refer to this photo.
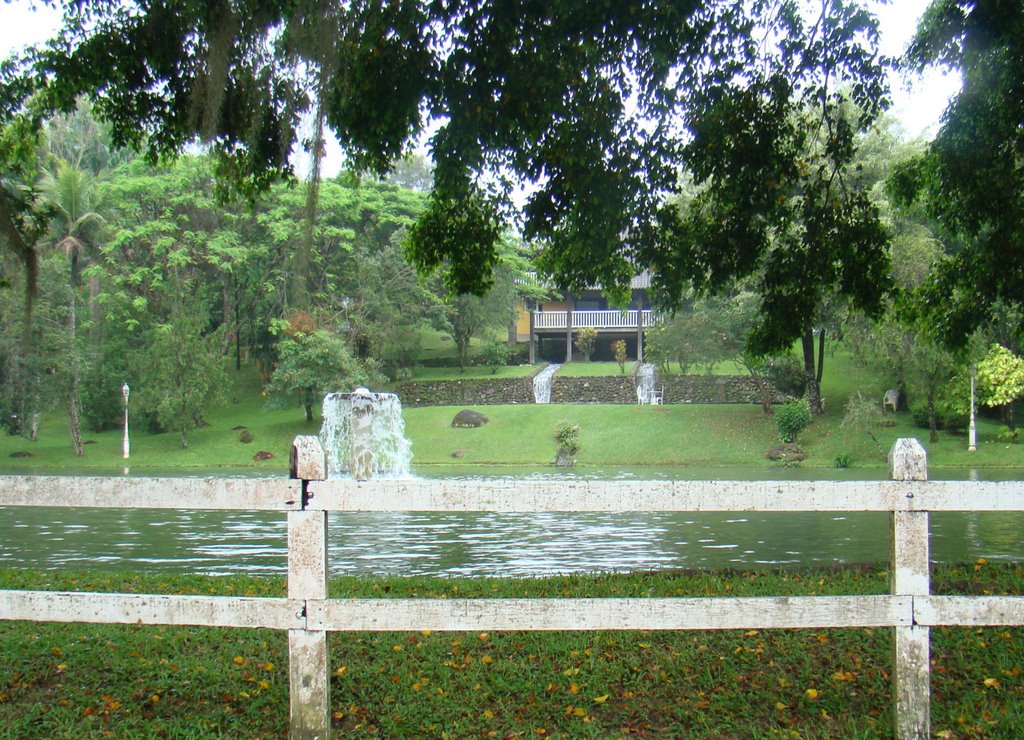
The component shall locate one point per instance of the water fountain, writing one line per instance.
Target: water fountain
(542, 384)
(364, 435)
(645, 390)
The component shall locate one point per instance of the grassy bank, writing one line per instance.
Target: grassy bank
(696, 435)
(131, 681)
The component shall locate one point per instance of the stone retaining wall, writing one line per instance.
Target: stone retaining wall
(468, 392)
(605, 389)
(711, 389)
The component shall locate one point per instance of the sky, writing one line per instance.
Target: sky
(918, 102)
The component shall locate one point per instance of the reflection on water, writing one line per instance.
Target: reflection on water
(493, 544)
(480, 544)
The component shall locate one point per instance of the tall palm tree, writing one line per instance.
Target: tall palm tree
(73, 198)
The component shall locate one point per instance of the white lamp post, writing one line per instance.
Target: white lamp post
(972, 431)
(125, 448)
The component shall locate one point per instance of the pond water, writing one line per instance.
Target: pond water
(493, 544)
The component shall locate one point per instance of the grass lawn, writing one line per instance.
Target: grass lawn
(624, 435)
(698, 435)
(471, 373)
(216, 445)
(594, 369)
(436, 344)
(98, 681)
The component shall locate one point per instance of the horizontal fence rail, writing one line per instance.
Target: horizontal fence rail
(308, 615)
(511, 495)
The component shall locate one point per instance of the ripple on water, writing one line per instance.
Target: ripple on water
(478, 544)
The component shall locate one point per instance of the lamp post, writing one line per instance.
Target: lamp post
(972, 431)
(125, 447)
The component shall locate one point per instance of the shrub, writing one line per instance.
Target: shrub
(619, 348)
(399, 348)
(792, 418)
(567, 437)
(1008, 435)
(787, 375)
(494, 355)
(947, 417)
(518, 355)
(586, 340)
(102, 400)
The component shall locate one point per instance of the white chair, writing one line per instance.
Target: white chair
(891, 400)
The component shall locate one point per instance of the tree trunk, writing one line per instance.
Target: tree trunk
(238, 331)
(765, 386)
(33, 427)
(226, 310)
(74, 404)
(94, 300)
(810, 372)
(76, 425)
(933, 422)
(821, 356)
(462, 348)
(184, 437)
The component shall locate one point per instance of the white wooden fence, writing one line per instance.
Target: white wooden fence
(309, 615)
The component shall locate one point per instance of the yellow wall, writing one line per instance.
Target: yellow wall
(522, 323)
(523, 318)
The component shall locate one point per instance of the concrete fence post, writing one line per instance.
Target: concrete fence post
(908, 461)
(308, 660)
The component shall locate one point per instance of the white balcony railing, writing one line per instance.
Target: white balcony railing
(613, 319)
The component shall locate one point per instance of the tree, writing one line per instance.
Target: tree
(180, 370)
(971, 176)
(35, 380)
(312, 365)
(74, 199)
(464, 316)
(414, 172)
(586, 339)
(901, 346)
(703, 333)
(929, 367)
(619, 350)
(1001, 382)
(810, 238)
(601, 135)
(21, 222)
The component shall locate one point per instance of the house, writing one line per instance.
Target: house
(549, 326)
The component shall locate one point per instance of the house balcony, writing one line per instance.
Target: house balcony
(613, 320)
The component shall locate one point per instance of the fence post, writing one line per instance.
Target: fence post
(308, 662)
(908, 461)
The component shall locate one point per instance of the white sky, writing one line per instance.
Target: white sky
(918, 103)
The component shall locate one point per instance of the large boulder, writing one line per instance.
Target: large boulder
(467, 419)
